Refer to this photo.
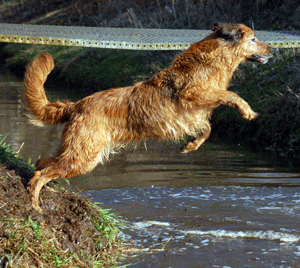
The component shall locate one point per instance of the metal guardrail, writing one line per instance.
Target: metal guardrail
(123, 38)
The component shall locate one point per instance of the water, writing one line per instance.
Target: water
(220, 206)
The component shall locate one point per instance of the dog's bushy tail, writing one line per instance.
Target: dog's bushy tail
(42, 110)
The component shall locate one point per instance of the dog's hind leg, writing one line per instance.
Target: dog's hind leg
(43, 163)
(79, 153)
(57, 169)
(62, 166)
(35, 185)
(197, 141)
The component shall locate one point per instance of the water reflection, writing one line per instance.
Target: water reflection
(32, 142)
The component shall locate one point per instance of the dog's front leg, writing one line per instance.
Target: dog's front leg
(197, 141)
(234, 100)
(214, 98)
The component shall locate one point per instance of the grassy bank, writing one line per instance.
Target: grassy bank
(86, 70)
(72, 231)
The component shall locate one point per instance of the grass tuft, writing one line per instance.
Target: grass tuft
(12, 160)
(71, 232)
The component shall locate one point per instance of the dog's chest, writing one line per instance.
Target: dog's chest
(189, 123)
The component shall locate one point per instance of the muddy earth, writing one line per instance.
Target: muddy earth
(68, 219)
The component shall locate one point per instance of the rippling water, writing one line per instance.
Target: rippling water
(232, 226)
(220, 206)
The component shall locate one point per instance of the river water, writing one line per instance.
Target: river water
(220, 206)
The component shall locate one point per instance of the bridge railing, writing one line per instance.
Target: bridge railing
(123, 38)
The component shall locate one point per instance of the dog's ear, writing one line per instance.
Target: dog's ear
(228, 31)
(216, 27)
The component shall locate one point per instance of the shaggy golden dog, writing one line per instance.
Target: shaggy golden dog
(176, 102)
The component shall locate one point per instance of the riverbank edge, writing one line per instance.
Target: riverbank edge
(271, 89)
(72, 231)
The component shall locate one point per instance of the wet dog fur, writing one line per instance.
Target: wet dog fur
(175, 102)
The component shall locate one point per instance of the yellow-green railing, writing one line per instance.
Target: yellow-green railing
(123, 38)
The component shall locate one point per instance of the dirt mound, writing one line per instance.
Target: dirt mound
(71, 231)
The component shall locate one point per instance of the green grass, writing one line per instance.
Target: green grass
(12, 160)
(88, 70)
(107, 227)
(32, 242)
(35, 240)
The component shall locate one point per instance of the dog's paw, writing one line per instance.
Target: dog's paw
(185, 150)
(189, 147)
(253, 115)
(250, 115)
(36, 206)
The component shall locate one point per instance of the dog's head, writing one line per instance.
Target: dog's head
(243, 38)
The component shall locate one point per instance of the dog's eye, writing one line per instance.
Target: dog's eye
(253, 40)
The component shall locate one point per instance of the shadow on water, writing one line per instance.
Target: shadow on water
(220, 206)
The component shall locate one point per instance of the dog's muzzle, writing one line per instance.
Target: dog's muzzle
(262, 58)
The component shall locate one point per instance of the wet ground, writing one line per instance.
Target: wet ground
(220, 206)
(28, 237)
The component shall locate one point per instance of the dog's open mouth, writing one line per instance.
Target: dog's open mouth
(259, 58)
